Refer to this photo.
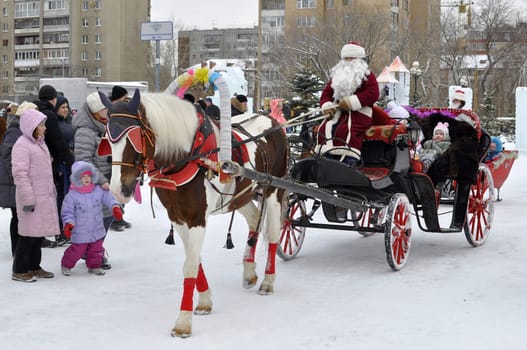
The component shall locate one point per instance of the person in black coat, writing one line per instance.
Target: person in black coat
(57, 145)
(460, 161)
(211, 109)
(238, 105)
(7, 185)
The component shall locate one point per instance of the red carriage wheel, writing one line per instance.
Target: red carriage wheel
(398, 231)
(292, 237)
(480, 212)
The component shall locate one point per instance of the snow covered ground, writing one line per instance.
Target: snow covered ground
(339, 293)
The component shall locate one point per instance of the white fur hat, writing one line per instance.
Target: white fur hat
(459, 95)
(94, 102)
(352, 49)
(398, 112)
(444, 128)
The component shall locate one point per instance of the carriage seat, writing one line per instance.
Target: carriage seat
(378, 149)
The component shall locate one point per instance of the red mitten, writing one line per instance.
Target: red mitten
(117, 213)
(67, 230)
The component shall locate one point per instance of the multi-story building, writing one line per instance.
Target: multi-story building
(319, 28)
(195, 46)
(96, 39)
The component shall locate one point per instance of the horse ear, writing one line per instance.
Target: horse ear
(105, 100)
(133, 105)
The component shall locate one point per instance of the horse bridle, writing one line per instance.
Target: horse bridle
(146, 136)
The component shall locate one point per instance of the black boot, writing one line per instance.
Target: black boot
(460, 205)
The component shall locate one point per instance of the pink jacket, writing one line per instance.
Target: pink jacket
(33, 177)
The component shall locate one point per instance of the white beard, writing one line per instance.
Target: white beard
(347, 76)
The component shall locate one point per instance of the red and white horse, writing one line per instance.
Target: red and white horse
(166, 138)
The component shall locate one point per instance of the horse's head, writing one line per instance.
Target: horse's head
(130, 140)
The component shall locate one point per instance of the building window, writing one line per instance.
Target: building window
(346, 2)
(98, 72)
(274, 21)
(84, 39)
(4, 11)
(5, 74)
(84, 55)
(98, 38)
(85, 5)
(5, 27)
(5, 43)
(98, 55)
(330, 4)
(85, 22)
(306, 4)
(306, 21)
(27, 9)
(98, 5)
(98, 22)
(5, 59)
(56, 4)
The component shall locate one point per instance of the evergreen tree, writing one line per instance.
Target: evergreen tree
(306, 87)
(488, 119)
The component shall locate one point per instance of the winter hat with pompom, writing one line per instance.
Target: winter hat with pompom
(444, 128)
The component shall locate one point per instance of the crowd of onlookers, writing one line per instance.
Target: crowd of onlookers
(55, 183)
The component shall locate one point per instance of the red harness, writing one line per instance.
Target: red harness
(204, 146)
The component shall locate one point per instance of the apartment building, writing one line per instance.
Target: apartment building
(195, 46)
(95, 39)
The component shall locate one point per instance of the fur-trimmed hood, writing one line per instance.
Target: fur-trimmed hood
(80, 167)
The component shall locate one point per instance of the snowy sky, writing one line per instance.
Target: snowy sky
(206, 14)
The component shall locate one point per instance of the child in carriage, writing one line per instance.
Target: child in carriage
(495, 149)
(432, 149)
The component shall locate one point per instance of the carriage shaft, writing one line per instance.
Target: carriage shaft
(264, 179)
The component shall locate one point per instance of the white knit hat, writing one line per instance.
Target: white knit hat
(444, 128)
(459, 95)
(94, 102)
(352, 49)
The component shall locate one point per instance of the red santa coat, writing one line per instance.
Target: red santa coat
(348, 127)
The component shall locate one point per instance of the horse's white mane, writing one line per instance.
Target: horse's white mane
(174, 122)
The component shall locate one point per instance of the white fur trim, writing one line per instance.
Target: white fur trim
(354, 102)
(352, 50)
(326, 105)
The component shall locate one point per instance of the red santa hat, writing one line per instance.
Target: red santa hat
(459, 95)
(352, 49)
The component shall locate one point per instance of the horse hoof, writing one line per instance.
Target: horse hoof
(181, 333)
(202, 310)
(249, 283)
(266, 290)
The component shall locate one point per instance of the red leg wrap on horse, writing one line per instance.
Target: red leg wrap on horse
(188, 294)
(250, 249)
(271, 255)
(201, 283)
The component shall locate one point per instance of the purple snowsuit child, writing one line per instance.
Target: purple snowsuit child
(83, 219)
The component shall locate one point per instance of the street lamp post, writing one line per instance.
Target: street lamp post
(415, 72)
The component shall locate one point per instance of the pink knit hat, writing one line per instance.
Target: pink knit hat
(444, 128)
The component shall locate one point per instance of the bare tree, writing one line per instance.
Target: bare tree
(317, 46)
